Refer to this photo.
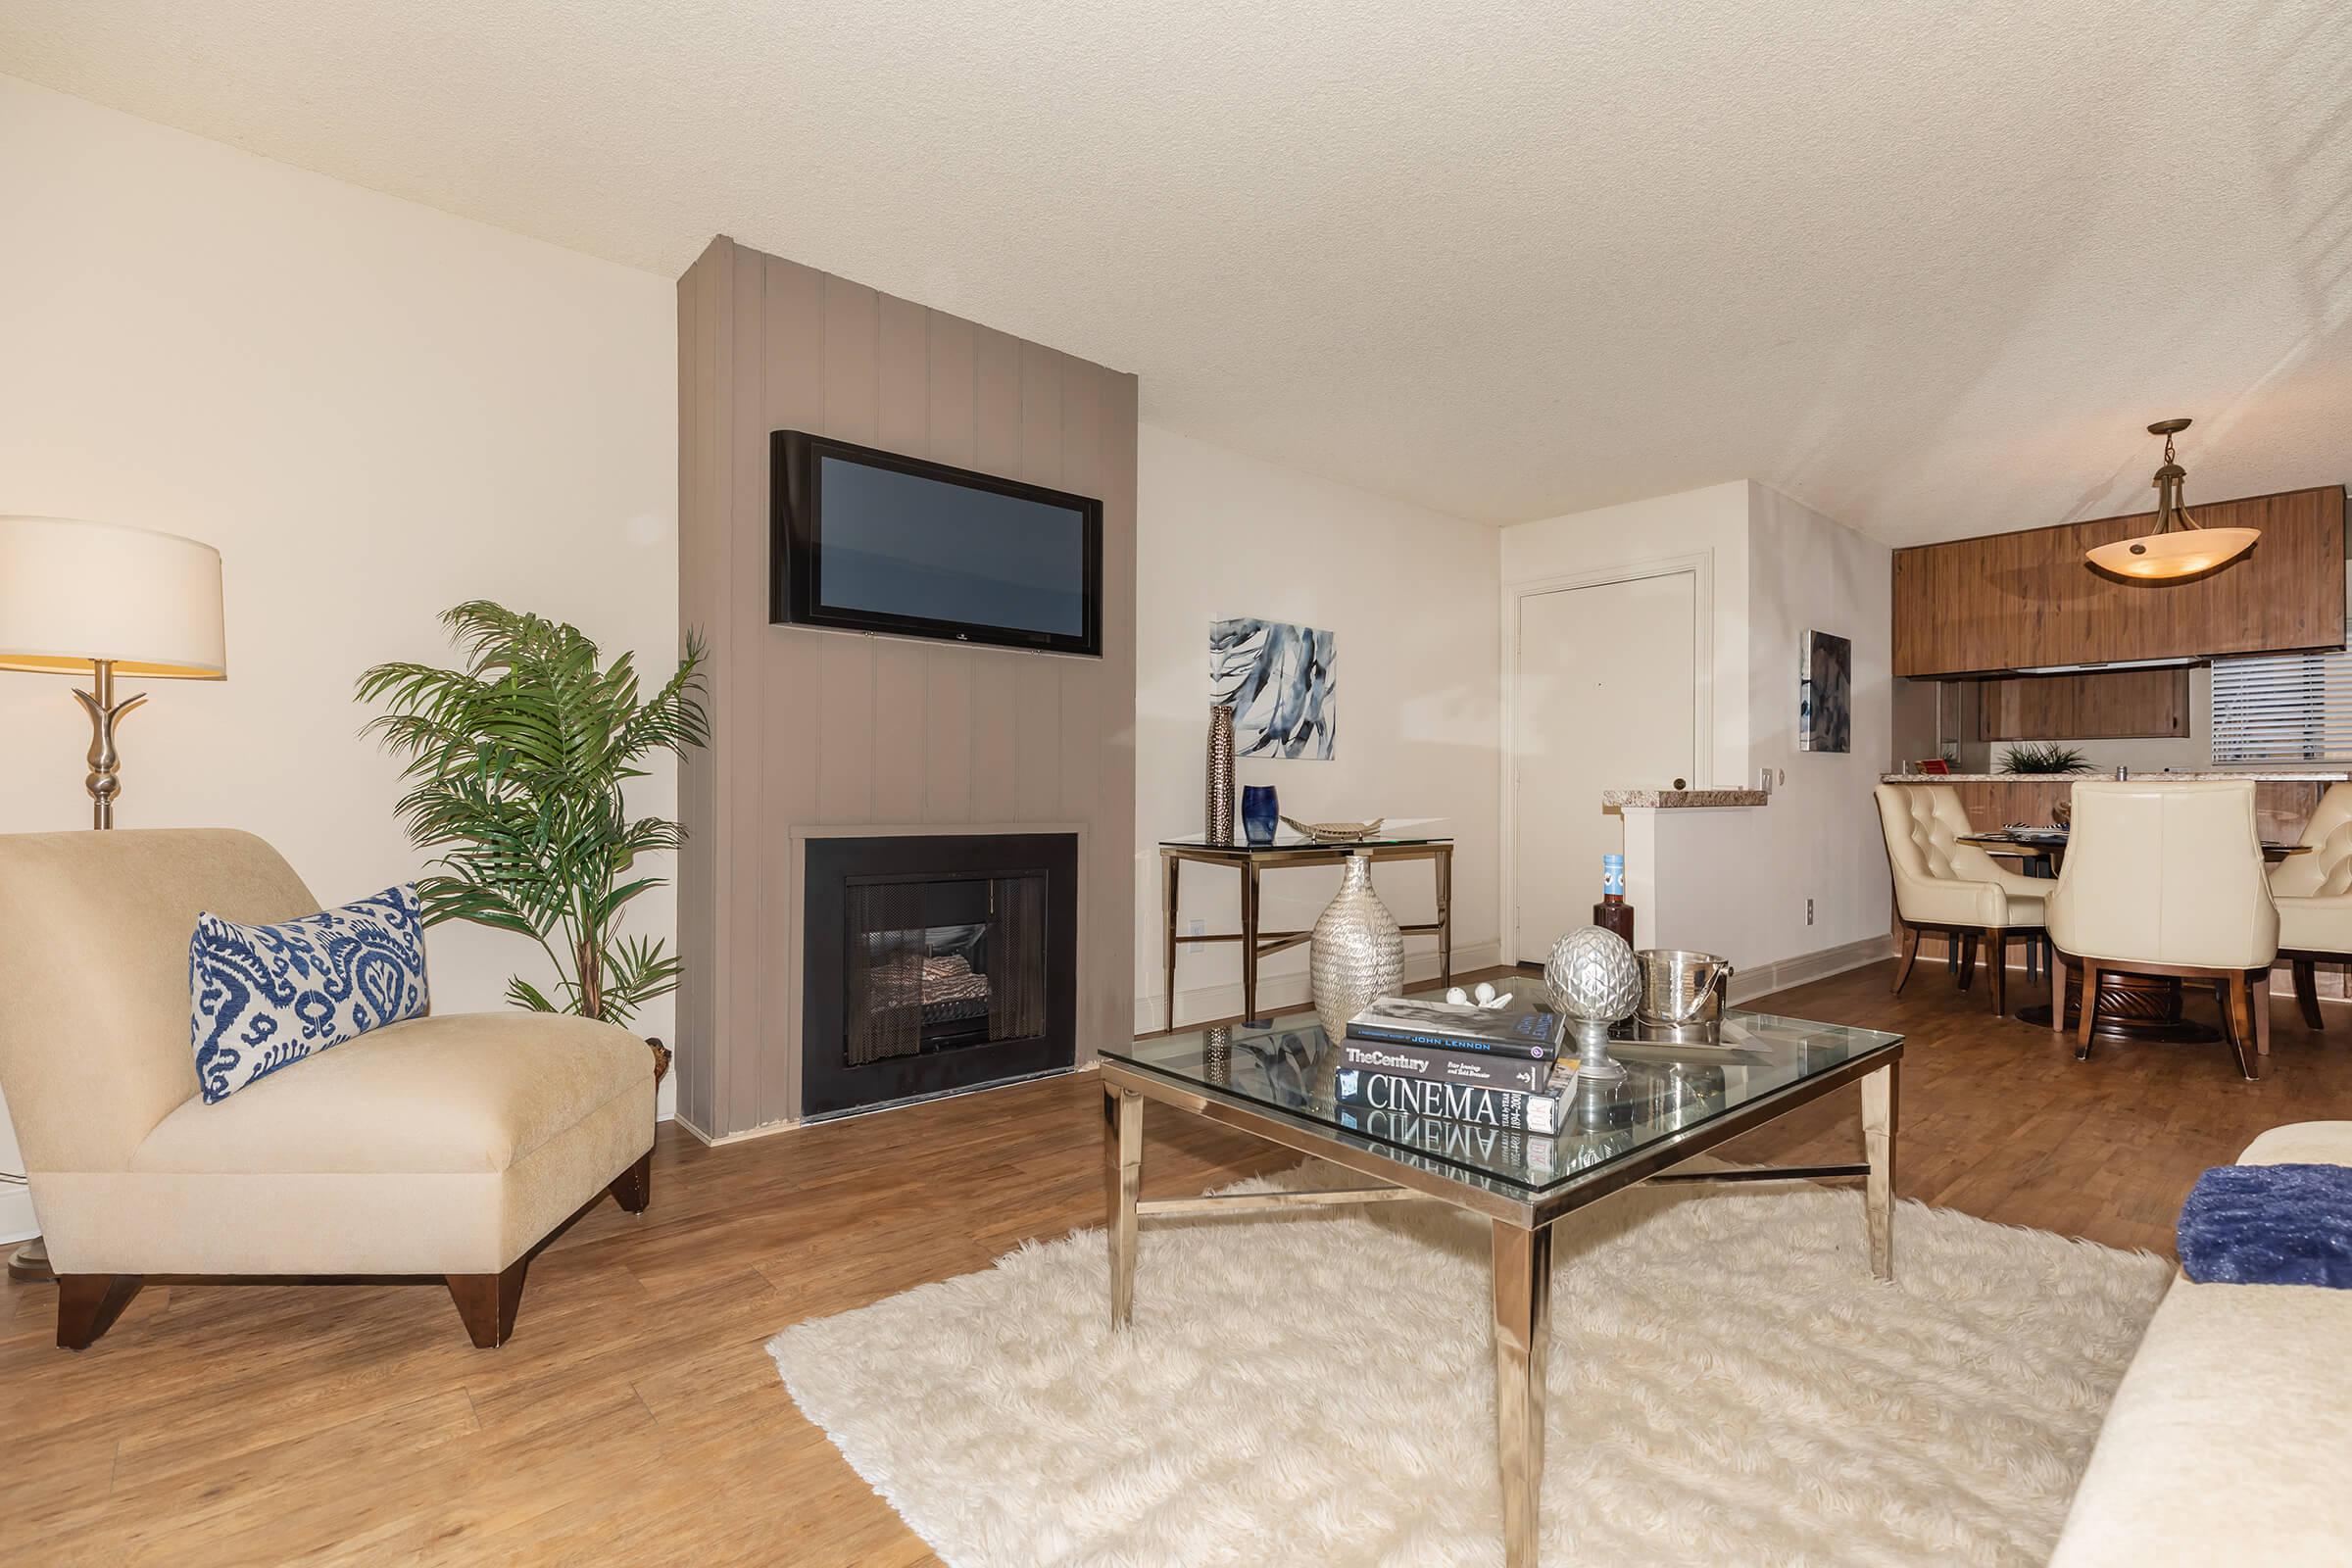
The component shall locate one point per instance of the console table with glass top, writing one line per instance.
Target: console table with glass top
(1293, 849)
(1278, 1081)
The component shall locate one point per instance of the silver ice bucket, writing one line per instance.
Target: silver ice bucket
(1682, 987)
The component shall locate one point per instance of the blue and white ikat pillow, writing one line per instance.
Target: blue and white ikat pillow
(267, 996)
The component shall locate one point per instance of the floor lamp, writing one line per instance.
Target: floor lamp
(100, 600)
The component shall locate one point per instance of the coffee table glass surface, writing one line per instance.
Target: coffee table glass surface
(1673, 1092)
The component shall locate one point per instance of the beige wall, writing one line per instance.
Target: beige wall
(375, 411)
(1411, 593)
(821, 729)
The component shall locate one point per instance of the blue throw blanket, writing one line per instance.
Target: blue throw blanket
(2269, 1225)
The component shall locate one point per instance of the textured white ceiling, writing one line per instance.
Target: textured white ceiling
(1929, 267)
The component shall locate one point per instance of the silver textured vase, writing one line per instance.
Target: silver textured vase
(1594, 978)
(1219, 825)
(1356, 952)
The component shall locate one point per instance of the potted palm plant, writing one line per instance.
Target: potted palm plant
(2046, 757)
(516, 765)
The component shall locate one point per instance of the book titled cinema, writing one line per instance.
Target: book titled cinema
(1463, 1103)
(1481, 1069)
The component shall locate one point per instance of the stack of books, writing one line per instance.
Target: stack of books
(1486, 1066)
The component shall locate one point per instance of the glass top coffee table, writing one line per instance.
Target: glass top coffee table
(1676, 1098)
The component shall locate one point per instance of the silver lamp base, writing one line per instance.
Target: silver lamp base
(1593, 1058)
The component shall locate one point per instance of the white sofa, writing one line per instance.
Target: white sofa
(2230, 1439)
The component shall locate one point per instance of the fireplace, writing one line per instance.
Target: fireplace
(935, 963)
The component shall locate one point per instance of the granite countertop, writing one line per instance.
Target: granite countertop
(2260, 777)
(1671, 799)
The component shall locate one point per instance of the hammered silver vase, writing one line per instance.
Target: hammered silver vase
(1593, 976)
(1356, 952)
(1219, 825)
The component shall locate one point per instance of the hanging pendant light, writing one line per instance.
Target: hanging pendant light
(2180, 545)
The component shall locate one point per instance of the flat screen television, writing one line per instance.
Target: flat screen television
(863, 540)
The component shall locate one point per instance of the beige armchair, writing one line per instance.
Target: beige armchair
(2314, 895)
(2167, 879)
(447, 1146)
(1941, 884)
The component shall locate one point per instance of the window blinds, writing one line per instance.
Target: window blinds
(2283, 708)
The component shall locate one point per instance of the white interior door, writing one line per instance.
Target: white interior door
(1606, 697)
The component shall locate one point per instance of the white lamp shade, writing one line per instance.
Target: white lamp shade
(2180, 553)
(72, 593)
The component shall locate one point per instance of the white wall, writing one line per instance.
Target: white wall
(1712, 522)
(1818, 839)
(375, 411)
(1412, 596)
(1735, 881)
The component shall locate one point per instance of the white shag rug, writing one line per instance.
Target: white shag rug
(1728, 1385)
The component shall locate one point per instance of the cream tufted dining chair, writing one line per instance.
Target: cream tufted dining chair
(1941, 884)
(2314, 895)
(2167, 879)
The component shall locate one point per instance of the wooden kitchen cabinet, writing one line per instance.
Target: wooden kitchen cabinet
(2016, 600)
(2096, 704)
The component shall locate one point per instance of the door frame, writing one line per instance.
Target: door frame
(1701, 565)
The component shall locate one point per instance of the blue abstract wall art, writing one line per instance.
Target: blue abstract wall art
(1283, 682)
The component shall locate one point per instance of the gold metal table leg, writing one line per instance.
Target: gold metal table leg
(1250, 941)
(1522, 1336)
(1444, 861)
(1122, 1183)
(1168, 868)
(1879, 1099)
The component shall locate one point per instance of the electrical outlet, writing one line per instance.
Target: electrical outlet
(1199, 926)
(1808, 911)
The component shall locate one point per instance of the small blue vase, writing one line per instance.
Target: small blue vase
(1259, 813)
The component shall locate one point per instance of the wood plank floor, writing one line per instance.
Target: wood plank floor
(634, 1418)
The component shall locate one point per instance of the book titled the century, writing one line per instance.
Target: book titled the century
(1486, 1070)
(1463, 1102)
(1523, 1028)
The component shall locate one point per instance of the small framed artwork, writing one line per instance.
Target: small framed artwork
(1283, 684)
(1825, 693)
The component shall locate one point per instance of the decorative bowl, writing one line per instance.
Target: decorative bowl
(1336, 832)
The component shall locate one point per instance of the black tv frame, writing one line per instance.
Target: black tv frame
(795, 546)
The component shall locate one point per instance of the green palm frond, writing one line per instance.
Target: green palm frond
(516, 765)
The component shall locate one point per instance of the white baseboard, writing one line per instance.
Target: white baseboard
(1287, 992)
(1782, 973)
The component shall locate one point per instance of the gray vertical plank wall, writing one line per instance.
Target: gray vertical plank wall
(823, 730)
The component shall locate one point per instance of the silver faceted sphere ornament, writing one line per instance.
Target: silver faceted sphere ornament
(1593, 975)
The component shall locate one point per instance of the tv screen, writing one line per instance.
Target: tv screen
(871, 541)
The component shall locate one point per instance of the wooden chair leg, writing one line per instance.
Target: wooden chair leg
(2307, 992)
(2090, 1009)
(2241, 1014)
(2262, 1013)
(87, 1305)
(487, 1302)
(1997, 955)
(633, 1189)
(1968, 960)
(2060, 979)
(1903, 976)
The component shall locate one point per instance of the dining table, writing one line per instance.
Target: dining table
(2131, 1006)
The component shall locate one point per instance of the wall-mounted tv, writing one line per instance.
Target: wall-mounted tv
(863, 540)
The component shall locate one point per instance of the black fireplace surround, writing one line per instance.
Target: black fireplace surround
(936, 963)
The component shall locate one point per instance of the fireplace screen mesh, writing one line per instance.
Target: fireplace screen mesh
(941, 963)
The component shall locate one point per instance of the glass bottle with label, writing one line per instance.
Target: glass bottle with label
(1612, 913)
